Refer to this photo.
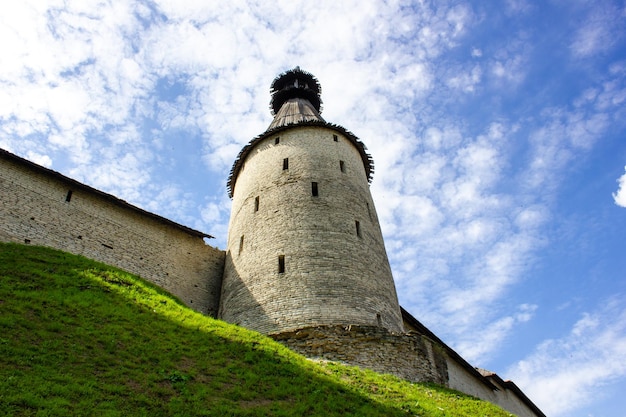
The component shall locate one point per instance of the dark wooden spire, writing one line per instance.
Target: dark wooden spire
(295, 83)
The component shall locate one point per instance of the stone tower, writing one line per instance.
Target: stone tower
(304, 243)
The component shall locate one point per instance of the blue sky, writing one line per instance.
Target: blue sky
(497, 130)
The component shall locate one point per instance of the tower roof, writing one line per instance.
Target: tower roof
(295, 83)
(296, 102)
(295, 98)
(295, 110)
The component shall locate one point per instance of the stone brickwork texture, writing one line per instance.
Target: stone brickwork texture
(34, 209)
(330, 245)
(410, 356)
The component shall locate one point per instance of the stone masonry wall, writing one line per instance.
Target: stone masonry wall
(461, 380)
(411, 356)
(407, 355)
(34, 209)
(335, 268)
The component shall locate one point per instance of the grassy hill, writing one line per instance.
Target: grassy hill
(81, 338)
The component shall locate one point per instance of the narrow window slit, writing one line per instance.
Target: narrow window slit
(277, 141)
(68, 197)
(314, 190)
(342, 166)
(335, 138)
(281, 264)
(369, 212)
(285, 164)
(241, 244)
(256, 203)
(357, 224)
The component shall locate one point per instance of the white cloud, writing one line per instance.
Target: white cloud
(509, 70)
(516, 7)
(599, 30)
(43, 160)
(467, 81)
(494, 333)
(531, 218)
(565, 133)
(476, 52)
(620, 196)
(564, 374)
(120, 171)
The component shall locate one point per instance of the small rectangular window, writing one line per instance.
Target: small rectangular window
(285, 164)
(342, 166)
(335, 138)
(241, 244)
(314, 190)
(68, 197)
(369, 212)
(357, 224)
(256, 203)
(277, 140)
(281, 264)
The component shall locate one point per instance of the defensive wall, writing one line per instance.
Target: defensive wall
(417, 355)
(42, 207)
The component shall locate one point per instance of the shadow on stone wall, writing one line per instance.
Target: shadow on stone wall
(407, 355)
(238, 305)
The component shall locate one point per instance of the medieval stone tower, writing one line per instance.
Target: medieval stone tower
(304, 245)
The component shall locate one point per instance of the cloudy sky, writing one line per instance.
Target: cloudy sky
(497, 130)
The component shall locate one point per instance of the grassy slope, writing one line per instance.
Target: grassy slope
(82, 338)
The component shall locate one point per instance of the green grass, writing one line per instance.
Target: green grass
(81, 338)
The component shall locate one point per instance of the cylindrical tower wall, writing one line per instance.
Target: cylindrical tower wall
(304, 245)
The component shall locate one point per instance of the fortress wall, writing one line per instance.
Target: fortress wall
(35, 210)
(463, 381)
(409, 356)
